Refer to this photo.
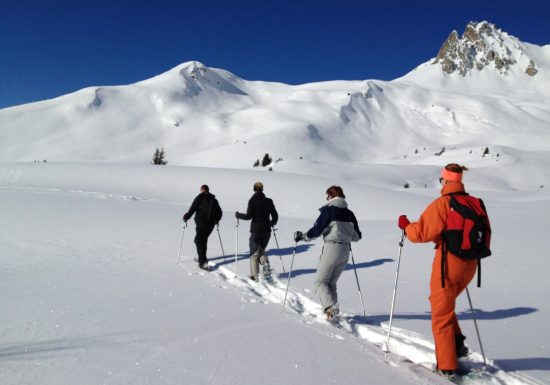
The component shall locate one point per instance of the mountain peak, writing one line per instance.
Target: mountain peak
(481, 46)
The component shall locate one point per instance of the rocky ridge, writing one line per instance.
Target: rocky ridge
(483, 45)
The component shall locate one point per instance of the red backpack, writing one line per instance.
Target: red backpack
(468, 231)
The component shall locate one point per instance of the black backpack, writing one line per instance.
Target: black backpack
(209, 211)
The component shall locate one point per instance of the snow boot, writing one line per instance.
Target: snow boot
(266, 273)
(204, 266)
(461, 349)
(331, 312)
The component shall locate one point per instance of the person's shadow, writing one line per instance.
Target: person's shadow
(533, 363)
(349, 266)
(463, 315)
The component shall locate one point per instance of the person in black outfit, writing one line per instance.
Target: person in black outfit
(209, 213)
(260, 209)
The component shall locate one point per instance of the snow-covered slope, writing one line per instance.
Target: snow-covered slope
(209, 117)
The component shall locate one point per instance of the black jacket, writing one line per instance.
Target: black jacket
(259, 209)
(207, 208)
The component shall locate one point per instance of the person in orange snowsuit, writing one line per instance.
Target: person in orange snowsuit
(449, 341)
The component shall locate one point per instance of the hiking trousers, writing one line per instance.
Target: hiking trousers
(258, 243)
(332, 263)
(201, 240)
(458, 274)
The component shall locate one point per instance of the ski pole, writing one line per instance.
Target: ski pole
(181, 243)
(386, 346)
(277, 243)
(290, 274)
(236, 244)
(220, 238)
(357, 279)
(475, 324)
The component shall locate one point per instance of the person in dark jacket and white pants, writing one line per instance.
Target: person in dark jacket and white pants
(338, 226)
(264, 216)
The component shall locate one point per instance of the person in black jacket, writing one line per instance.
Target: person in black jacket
(209, 213)
(264, 216)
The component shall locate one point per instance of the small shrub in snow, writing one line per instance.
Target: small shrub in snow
(266, 161)
(257, 163)
(440, 152)
(486, 151)
(406, 185)
(271, 169)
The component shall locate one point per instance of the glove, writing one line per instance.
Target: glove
(185, 217)
(298, 236)
(403, 222)
(236, 214)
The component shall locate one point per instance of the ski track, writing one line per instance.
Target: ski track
(407, 348)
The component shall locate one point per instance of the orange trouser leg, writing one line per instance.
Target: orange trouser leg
(458, 273)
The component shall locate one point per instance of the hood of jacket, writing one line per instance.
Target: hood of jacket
(337, 202)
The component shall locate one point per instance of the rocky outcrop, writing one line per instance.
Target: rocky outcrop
(531, 69)
(481, 46)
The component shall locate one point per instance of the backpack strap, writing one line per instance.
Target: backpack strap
(479, 273)
(443, 259)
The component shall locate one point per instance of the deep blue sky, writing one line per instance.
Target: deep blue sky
(50, 48)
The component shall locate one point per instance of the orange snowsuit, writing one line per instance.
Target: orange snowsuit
(458, 274)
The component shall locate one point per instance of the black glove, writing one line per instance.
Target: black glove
(298, 236)
(236, 214)
(185, 217)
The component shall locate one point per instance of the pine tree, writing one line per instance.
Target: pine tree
(159, 157)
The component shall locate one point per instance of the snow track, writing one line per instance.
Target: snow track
(407, 348)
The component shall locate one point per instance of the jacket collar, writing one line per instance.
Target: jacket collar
(452, 188)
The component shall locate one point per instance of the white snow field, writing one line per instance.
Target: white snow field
(92, 294)
(89, 285)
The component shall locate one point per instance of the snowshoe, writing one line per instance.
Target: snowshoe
(454, 375)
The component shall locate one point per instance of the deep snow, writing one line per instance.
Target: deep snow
(92, 294)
